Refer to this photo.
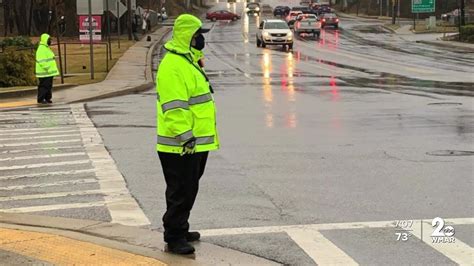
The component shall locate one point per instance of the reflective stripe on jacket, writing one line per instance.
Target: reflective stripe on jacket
(45, 61)
(185, 106)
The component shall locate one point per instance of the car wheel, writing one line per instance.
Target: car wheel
(318, 34)
(336, 26)
(263, 44)
(290, 46)
(213, 19)
(234, 18)
(259, 43)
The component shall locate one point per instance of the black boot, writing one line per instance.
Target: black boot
(192, 236)
(181, 247)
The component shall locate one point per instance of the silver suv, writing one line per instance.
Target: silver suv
(274, 32)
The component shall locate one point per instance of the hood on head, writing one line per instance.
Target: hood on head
(184, 28)
(44, 39)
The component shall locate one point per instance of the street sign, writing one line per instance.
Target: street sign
(84, 28)
(422, 6)
(113, 7)
(82, 6)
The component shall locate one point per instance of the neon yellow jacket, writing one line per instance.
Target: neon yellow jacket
(45, 62)
(185, 106)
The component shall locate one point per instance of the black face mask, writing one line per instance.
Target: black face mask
(199, 42)
(49, 41)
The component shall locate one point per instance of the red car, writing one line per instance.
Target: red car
(222, 15)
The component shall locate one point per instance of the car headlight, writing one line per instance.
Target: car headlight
(247, 9)
(290, 34)
(266, 34)
(257, 8)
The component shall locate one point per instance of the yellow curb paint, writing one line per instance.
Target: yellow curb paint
(17, 104)
(65, 251)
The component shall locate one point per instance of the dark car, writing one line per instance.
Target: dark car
(329, 19)
(222, 15)
(281, 11)
(253, 8)
(301, 8)
(323, 9)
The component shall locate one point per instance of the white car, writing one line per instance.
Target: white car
(274, 32)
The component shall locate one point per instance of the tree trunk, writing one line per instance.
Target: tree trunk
(20, 12)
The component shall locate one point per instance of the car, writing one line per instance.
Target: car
(222, 15)
(305, 2)
(253, 8)
(300, 8)
(281, 11)
(329, 19)
(290, 19)
(307, 23)
(266, 9)
(274, 32)
(323, 9)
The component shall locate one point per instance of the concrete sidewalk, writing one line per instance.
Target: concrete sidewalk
(52, 240)
(131, 73)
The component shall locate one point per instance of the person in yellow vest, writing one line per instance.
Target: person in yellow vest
(186, 128)
(46, 69)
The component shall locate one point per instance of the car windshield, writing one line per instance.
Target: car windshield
(253, 5)
(329, 15)
(276, 25)
(308, 18)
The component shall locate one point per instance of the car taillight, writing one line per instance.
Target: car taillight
(337, 20)
(324, 20)
(298, 24)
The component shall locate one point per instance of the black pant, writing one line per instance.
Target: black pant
(182, 174)
(45, 89)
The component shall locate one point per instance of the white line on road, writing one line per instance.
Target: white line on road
(119, 201)
(43, 156)
(319, 248)
(5, 130)
(38, 143)
(59, 183)
(127, 211)
(49, 148)
(459, 252)
(41, 137)
(45, 174)
(318, 227)
(115, 193)
(39, 165)
(37, 133)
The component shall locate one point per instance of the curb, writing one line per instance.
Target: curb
(32, 91)
(389, 29)
(449, 45)
(135, 240)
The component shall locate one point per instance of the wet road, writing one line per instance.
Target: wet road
(323, 148)
(337, 131)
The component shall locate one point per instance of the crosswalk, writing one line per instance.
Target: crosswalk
(323, 250)
(52, 159)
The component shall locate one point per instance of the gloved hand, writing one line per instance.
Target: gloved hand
(189, 146)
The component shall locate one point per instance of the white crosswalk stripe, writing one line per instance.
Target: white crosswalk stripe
(324, 252)
(51, 154)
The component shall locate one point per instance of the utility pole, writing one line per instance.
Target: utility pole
(59, 45)
(129, 19)
(107, 13)
(119, 30)
(462, 13)
(388, 8)
(394, 13)
(91, 44)
(6, 17)
(380, 2)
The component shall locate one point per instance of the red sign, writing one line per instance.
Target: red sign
(96, 28)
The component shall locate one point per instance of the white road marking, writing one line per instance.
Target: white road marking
(119, 201)
(39, 165)
(49, 148)
(43, 156)
(14, 134)
(320, 249)
(127, 211)
(15, 130)
(312, 243)
(114, 193)
(38, 143)
(318, 227)
(459, 252)
(41, 137)
(45, 174)
(59, 183)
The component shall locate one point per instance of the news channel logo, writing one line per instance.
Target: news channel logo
(442, 233)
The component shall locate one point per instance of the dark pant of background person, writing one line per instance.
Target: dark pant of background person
(182, 174)
(45, 88)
